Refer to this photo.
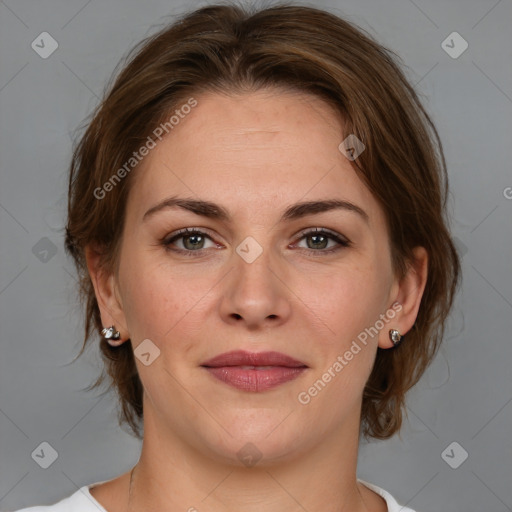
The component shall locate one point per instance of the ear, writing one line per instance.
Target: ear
(107, 296)
(408, 293)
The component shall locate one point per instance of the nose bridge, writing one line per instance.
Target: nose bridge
(254, 289)
(254, 263)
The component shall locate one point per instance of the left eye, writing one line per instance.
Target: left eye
(320, 238)
(193, 241)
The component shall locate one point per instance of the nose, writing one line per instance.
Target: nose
(256, 293)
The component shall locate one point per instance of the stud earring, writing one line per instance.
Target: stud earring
(112, 336)
(395, 337)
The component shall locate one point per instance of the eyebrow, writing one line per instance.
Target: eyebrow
(295, 211)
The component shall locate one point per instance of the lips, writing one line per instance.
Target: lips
(253, 359)
(254, 372)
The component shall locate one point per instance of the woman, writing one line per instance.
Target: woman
(257, 216)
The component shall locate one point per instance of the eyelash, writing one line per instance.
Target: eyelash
(343, 243)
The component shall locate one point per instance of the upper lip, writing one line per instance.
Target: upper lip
(243, 358)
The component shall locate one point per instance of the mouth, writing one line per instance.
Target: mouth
(254, 372)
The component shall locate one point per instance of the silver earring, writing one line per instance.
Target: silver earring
(395, 337)
(112, 336)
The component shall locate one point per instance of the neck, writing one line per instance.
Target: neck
(172, 475)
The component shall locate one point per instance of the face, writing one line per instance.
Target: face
(254, 281)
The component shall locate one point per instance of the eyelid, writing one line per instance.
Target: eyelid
(306, 231)
(340, 239)
(328, 231)
(180, 233)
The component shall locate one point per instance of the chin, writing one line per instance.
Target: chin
(264, 442)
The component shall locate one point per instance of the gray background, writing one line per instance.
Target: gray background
(466, 394)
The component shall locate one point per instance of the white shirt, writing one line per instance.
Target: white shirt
(83, 501)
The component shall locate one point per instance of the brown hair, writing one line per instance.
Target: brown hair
(228, 48)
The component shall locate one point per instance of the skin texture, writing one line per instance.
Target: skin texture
(255, 154)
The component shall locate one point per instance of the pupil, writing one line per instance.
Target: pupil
(197, 239)
(314, 237)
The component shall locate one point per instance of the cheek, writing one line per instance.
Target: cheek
(345, 358)
(158, 301)
(352, 300)
(352, 305)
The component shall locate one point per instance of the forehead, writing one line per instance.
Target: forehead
(260, 150)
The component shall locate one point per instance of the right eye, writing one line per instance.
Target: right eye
(192, 240)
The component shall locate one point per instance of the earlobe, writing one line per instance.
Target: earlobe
(409, 294)
(106, 293)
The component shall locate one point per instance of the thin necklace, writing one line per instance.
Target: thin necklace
(130, 488)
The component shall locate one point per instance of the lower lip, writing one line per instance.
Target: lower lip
(255, 380)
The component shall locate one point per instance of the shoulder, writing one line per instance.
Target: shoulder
(80, 501)
(83, 501)
(393, 505)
